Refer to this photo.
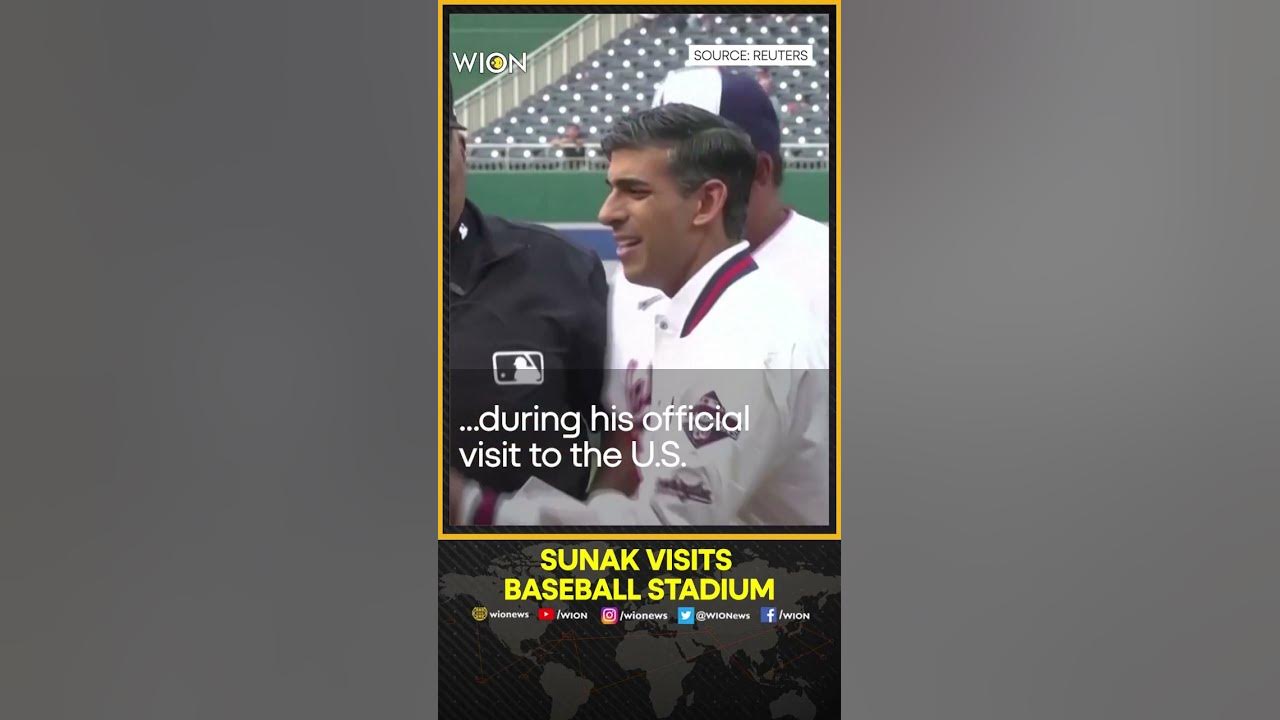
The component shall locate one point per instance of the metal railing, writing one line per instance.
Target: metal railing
(489, 157)
(545, 65)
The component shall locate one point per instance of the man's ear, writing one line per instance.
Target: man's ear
(712, 198)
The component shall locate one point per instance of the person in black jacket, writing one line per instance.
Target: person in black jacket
(525, 333)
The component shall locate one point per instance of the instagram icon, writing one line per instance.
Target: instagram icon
(609, 615)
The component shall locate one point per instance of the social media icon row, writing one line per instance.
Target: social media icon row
(690, 616)
(613, 615)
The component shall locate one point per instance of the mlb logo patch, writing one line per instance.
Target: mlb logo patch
(518, 367)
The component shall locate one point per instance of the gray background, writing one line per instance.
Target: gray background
(1061, 226)
(1061, 424)
(217, 497)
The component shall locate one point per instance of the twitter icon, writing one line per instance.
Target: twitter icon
(684, 615)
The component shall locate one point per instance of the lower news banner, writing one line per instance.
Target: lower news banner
(653, 629)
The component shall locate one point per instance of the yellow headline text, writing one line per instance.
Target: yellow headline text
(659, 560)
(678, 589)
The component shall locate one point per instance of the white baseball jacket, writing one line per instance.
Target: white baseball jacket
(734, 344)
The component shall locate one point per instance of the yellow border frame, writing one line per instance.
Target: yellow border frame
(440, 532)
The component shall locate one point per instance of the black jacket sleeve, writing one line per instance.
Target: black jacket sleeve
(587, 380)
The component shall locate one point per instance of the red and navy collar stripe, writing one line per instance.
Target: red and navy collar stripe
(731, 272)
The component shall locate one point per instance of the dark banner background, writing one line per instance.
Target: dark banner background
(581, 669)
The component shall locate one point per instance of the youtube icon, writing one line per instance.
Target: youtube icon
(547, 614)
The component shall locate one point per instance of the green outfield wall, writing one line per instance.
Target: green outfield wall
(554, 196)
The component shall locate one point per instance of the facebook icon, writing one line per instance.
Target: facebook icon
(767, 614)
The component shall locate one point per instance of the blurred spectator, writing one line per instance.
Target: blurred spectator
(571, 146)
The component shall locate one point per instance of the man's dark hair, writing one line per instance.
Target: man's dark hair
(704, 146)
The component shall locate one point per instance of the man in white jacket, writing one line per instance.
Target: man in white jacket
(795, 248)
(739, 393)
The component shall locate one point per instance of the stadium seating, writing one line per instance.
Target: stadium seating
(620, 78)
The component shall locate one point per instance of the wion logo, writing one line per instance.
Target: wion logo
(492, 63)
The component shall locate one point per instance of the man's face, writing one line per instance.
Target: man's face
(651, 221)
(457, 177)
(572, 132)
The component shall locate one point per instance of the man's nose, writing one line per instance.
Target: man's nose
(611, 212)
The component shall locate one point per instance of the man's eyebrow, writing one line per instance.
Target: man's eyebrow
(627, 183)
